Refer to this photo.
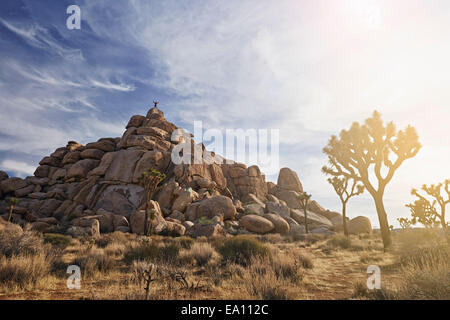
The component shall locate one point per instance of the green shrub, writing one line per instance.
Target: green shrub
(57, 240)
(241, 249)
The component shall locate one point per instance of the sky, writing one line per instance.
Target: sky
(308, 68)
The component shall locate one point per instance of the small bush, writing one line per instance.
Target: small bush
(169, 253)
(95, 261)
(287, 268)
(186, 242)
(57, 240)
(340, 241)
(24, 271)
(115, 237)
(201, 253)
(14, 243)
(305, 261)
(146, 251)
(261, 282)
(242, 249)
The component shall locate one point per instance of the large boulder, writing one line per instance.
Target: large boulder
(254, 208)
(3, 175)
(184, 198)
(137, 219)
(205, 230)
(120, 199)
(217, 206)
(288, 196)
(359, 225)
(80, 169)
(152, 159)
(92, 154)
(12, 184)
(278, 208)
(313, 219)
(166, 195)
(256, 224)
(281, 225)
(71, 157)
(89, 228)
(123, 165)
(288, 179)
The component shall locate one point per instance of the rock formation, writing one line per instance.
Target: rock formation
(93, 189)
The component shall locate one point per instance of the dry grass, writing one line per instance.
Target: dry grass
(267, 267)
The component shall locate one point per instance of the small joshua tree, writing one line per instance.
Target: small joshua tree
(425, 211)
(341, 185)
(150, 180)
(144, 273)
(12, 203)
(303, 200)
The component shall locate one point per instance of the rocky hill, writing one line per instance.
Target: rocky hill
(93, 188)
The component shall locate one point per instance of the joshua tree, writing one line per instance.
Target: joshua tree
(341, 185)
(372, 150)
(424, 211)
(12, 202)
(303, 200)
(149, 180)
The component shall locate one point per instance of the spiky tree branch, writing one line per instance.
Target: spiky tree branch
(424, 210)
(341, 186)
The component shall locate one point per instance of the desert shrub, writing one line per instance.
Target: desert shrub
(216, 242)
(339, 241)
(272, 238)
(186, 242)
(288, 268)
(169, 253)
(115, 237)
(147, 251)
(305, 261)
(57, 240)
(14, 243)
(202, 253)
(24, 271)
(115, 249)
(241, 249)
(261, 282)
(95, 261)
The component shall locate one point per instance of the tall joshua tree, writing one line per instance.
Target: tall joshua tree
(341, 186)
(149, 180)
(372, 151)
(303, 200)
(425, 211)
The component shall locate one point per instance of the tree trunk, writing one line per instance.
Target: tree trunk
(306, 220)
(10, 213)
(384, 225)
(344, 218)
(442, 216)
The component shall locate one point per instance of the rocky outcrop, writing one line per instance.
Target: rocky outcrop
(94, 188)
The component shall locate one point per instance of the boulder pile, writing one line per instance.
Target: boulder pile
(94, 188)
